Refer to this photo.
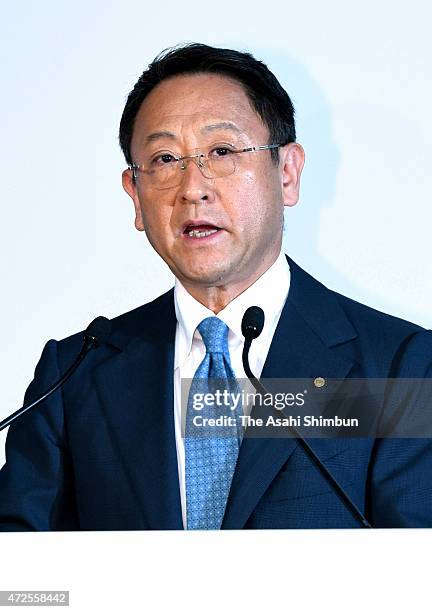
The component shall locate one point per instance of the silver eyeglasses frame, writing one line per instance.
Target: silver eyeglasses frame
(200, 157)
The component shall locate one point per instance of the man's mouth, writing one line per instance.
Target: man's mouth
(200, 230)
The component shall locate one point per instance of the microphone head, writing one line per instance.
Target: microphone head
(252, 322)
(98, 330)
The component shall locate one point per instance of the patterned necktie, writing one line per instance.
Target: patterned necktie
(211, 452)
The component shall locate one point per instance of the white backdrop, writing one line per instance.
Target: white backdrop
(359, 75)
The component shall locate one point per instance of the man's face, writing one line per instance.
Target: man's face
(195, 113)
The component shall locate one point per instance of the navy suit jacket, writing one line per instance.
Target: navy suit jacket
(101, 454)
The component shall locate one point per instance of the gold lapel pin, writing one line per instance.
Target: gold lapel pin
(319, 381)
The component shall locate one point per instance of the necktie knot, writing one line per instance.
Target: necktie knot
(214, 333)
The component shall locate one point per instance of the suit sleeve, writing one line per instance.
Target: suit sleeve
(36, 483)
(401, 468)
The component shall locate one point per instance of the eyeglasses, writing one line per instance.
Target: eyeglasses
(165, 170)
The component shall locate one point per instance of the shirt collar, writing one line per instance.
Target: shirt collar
(269, 292)
(189, 313)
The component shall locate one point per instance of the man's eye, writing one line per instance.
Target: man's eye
(164, 158)
(220, 152)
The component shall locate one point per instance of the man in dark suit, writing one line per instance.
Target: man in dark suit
(209, 138)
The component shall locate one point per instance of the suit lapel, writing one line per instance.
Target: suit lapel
(136, 388)
(311, 327)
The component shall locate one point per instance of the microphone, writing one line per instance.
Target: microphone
(252, 322)
(97, 332)
(95, 335)
(251, 326)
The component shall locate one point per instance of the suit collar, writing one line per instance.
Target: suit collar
(319, 307)
(153, 323)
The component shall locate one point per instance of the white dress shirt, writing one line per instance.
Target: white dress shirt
(269, 292)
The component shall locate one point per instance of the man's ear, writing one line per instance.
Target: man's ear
(130, 186)
(291, 162)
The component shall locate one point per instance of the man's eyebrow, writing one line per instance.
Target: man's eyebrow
(222, 125)
(156, 135)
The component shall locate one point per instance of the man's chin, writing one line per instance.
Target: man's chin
(205, 275)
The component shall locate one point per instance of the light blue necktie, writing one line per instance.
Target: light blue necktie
(211, 452)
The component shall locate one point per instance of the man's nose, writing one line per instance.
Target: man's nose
(194, 186)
